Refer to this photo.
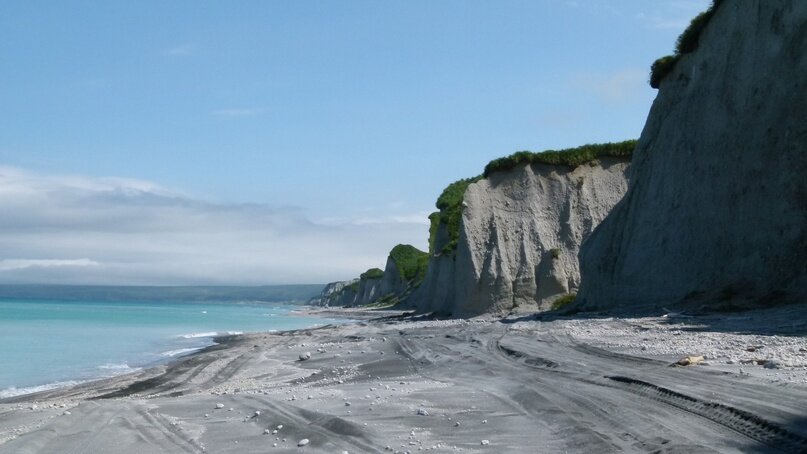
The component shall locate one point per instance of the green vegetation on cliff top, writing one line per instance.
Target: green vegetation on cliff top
(410, 261)
(372, 273)
(687, 43)
(570, 157)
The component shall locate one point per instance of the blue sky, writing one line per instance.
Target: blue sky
(347, 117)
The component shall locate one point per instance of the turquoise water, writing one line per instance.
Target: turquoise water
(44, 344)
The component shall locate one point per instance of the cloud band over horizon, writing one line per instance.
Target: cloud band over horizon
(84, 230)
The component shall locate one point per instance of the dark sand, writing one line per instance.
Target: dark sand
(441, 386)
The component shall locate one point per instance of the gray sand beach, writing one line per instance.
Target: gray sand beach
(397, 384)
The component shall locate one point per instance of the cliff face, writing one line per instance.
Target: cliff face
(716, 212)
(337, 293)
(519, 238)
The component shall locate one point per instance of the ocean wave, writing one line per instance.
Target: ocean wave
(209, 334)
(118, 369)
(13, 392)
(179, 351)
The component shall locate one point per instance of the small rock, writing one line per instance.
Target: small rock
(485, 442)
(422, 412)
(305, 356)
(257, 413)
(67, 413)
(484, 421)
(266, 432)
(279, 426)
(457, 424)
(219, 406)
(690, 361)
(303, 442)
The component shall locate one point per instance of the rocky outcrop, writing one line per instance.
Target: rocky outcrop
(338, 293)
(716, 212)
(403, 272)
(519, 237)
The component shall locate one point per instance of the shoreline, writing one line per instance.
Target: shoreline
(161, 352)
(514, 382)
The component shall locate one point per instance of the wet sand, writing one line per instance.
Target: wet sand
(532, 385)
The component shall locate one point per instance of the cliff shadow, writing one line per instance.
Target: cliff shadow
(780, 320)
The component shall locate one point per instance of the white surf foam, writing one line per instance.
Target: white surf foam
(13, 392)
(179, 351)
(209, 334)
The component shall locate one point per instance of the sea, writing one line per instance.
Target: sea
(49, 343)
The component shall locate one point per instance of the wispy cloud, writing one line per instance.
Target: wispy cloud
(655, 21)
(674, 14)
(614, 87)
(83, 230)
(238, 112)
(179, 50)
(417, 218)
(21, 264)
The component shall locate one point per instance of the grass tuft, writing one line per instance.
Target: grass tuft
(687, 43)
(563, 301)
(570, 157)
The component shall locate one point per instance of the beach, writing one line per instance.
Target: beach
(398, 383)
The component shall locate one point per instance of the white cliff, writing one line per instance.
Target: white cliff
(716, 212)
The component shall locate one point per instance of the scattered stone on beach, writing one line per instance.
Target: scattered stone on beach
(219, 406)
(67, 413)
(305, 356)
(257, 413)
(266, 431)
(484, 421)
(279, 426)
(690, 361)
(422, 412)
(485, 442)
(303, 442)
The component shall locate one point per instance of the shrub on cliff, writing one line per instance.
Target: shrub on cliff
(372, 273)
(661, 68)
(450, 205)
(686, 43)
(410, 261)
(571, 157)
(563, 301)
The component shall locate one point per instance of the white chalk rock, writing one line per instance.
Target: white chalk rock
(303, 442)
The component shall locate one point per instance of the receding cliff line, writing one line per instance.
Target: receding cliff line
(505, 240)
(405, 269)
(716, 212)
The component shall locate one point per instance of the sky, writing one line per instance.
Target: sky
(266, 142)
